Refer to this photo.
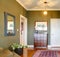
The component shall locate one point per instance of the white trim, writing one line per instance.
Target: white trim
(43, 9)
(30, 46)
(21, 16)
(54, 47)
(34, 9)
(21, 4)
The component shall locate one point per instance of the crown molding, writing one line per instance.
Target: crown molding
(43, 9)
(35, 9)
(21, 4)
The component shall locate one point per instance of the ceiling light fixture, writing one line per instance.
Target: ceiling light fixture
(45, 11)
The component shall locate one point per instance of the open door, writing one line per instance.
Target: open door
(23, 30)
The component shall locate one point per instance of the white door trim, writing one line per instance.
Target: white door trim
(25, 19)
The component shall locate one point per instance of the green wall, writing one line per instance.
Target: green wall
(34, 16)
(12, 7)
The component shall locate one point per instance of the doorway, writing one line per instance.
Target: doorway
(23, 30)
(55, 32)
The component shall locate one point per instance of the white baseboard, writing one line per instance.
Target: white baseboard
(54, 47)
(31, 46)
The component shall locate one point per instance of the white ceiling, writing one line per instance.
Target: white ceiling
(39, 4)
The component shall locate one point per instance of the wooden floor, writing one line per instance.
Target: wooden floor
(29, 52)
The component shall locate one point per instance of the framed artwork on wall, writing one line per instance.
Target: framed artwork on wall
(41, 26)
(9, 24)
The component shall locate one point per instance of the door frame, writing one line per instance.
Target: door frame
(25, 27)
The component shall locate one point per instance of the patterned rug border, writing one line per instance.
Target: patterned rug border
(44, 52)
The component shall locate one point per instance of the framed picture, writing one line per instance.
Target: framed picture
(9, 24)
(41, 26)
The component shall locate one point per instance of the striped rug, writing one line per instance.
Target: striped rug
(45, 53)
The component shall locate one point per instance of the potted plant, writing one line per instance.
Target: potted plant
(18, 48)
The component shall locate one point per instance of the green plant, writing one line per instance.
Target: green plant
(16, 45)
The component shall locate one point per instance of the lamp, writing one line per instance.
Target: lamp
(45, 11)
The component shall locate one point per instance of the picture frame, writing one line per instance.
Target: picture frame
(9, 22)
(41, 26)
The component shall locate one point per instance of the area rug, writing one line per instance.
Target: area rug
(45, 53)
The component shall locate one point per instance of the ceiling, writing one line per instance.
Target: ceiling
(39, 4)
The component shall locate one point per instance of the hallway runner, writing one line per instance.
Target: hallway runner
(45, 53)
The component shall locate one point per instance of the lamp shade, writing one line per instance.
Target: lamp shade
(45, 12)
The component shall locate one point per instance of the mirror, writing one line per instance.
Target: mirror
(9, 24)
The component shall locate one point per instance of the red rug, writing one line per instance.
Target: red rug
(45, 53)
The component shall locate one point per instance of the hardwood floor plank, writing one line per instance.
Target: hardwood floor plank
(29, 52)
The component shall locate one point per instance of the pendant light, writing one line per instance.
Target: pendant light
(45, 11)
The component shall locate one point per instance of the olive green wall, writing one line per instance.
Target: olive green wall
(34, 16)
(12, 7)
